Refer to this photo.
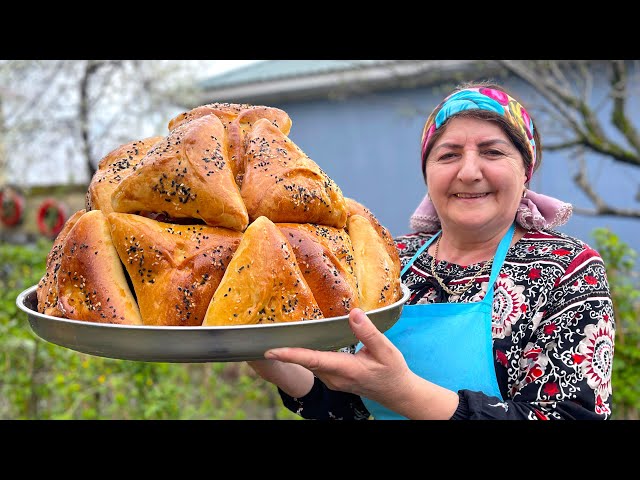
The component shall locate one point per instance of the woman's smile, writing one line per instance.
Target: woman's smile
(470, 196)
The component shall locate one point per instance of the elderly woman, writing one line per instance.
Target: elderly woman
(508, 318)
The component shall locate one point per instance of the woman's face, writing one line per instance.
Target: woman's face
(475, 176)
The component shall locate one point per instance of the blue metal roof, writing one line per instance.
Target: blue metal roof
(267, 70)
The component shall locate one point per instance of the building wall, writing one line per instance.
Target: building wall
(370, 145)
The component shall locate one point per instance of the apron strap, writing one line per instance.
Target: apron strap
(418, 253)
(498, 259)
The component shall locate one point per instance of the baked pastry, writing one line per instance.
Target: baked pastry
(111, 169)
(237, 119)
(91, 282)
(226, 112)
(174, 269)
(325, 257)
(186, 175)
(224, 221)
(47, 290)
(263, 282)
(356, 208)
(284, 185)
(377, 272)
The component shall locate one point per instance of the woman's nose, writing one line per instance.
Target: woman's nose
(470, 167)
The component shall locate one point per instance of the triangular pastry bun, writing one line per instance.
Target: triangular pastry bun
(356, 208)
(91, 282)
(263, 283)
(47, 291)
(237, 118)
(226, 112)
(378, 275)
(187, 175)
(174, 268)
(286, 186)
(325, 257)
(112, 169)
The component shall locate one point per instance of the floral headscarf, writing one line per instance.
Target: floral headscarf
(481, 98)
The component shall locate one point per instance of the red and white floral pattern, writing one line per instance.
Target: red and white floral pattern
(595, 358)
(552, 324)
(508, 305)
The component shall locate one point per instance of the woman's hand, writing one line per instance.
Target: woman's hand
(377, 371)
(293, 379)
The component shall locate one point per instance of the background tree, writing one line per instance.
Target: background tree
(585, 120)
(73, 112)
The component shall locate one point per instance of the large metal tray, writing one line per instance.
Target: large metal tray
(197, 344)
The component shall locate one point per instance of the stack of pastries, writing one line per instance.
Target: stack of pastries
(223, 221)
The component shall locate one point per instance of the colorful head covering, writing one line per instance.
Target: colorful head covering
(481, 98)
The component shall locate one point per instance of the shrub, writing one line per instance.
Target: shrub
(623, 281)
(40, 380)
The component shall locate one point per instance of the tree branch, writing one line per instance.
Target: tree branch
(619, 93)
(575, 111)
(36, 97)
(601, 207)
(542, 87)
(563, 145)
(90, 69)
(83, 113)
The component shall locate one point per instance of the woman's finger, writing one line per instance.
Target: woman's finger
(365, 331)
(314, 360)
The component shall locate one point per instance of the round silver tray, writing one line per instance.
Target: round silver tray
(197, 344)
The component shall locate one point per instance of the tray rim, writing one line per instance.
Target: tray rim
(22, 297)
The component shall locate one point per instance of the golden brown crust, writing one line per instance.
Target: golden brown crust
(325, 257)
(284, 185)
(187, 175)
(242, 125)
(112, 168)
(174, 269)
(263, 282)
(227, 112)
(237, 119)
(356, 208)
(91, 282)
(47, 291)
(378, 274)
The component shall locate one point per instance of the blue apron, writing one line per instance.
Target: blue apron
(448, 344)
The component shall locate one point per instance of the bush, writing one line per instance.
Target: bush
(625, 292)
(40, 380)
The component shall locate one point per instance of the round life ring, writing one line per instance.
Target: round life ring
(11, 207)
(51, 217)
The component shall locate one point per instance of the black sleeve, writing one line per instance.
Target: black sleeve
(322, 403)
(478, 406)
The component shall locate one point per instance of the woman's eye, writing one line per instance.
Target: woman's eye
(493, 153)
(447, 156)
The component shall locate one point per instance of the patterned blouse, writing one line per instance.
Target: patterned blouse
(552, 328)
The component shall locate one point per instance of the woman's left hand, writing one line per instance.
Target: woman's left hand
(377, 371)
